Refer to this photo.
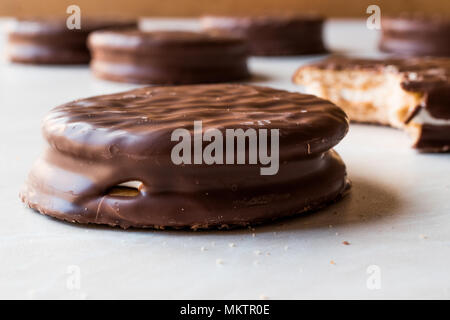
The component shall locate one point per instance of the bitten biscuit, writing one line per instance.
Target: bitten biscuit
(412, 94)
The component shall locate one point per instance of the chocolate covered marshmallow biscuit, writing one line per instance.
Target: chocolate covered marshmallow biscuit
(167, 57)
(50, 41)
(416, 35)
(412, 94)
(274, 35)
(199, 156)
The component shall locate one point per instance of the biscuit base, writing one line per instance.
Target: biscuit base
(215, 209)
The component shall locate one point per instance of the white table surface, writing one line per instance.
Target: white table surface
(397, 216)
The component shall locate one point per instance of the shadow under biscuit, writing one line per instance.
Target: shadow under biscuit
(367, 202)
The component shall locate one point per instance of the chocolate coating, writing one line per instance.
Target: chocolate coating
(49, 41)
(273, 35)
(416, 35)
(434, 138)
(98, 143)
(167, 57)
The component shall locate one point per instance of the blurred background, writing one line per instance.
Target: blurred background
(330, 8)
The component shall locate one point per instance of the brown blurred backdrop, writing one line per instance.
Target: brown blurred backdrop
(331, 8)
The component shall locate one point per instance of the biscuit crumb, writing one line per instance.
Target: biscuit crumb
(203, 249)
(257, 252)
(253, 235)
(232, 245)
(263, 297)
(423, 236)
(346, 243)
(332, 262)
(219, 261)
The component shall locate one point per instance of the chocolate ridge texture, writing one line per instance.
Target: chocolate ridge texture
(98, 147)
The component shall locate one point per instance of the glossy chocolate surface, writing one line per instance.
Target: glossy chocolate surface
(98, 143)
